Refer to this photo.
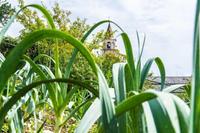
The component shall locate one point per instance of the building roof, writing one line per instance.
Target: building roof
(109, 32)
(172, 80)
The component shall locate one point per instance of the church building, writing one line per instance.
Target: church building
(109, 44)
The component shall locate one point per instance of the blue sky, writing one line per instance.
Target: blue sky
(168, 25)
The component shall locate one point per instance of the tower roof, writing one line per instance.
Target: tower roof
(109, 32)
(109, 29)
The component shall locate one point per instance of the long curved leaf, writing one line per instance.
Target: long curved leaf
(130, 59)
(28, 41)
(183, 112)
(161, 117)
(149, 121)
(40, 8)
(90, 117)
(147, 67)
(42, 56)
(119, 81)
(170, 113)
(107, 107)
(133, 101)
(172, 88)
(43, 76)
(195, 101)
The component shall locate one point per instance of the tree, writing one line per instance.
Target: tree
(7, 44)
(6, 11)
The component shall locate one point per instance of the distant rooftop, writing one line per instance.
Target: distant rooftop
(172, 80)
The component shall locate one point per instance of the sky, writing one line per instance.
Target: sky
(167, 24)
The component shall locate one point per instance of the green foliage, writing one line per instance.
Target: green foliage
(7, 44)
(6, 11)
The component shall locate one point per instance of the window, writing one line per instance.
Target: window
(108, 45)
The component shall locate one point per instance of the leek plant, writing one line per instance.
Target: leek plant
(22, 77)
(130, 109)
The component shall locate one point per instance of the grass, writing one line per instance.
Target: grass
(131, 109)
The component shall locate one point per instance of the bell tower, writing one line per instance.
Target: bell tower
(109, 44)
